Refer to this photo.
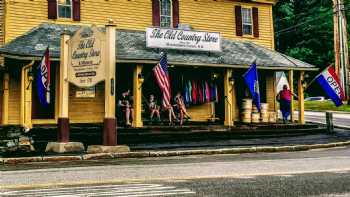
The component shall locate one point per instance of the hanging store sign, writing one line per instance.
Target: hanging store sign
(86, 57)
(182, 39)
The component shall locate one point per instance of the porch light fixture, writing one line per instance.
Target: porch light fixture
(214, 76)
(140, 77)
(30, 74)
(231, 80)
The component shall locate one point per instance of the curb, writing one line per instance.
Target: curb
(342, 127)
(337, 112)
(146, 154)
(335, 126)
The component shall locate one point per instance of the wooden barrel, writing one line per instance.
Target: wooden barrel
(272, 117)
(255, 117)
(247, 104)
(264, 107)
(265, 117)
(255, 109)
(246, 117)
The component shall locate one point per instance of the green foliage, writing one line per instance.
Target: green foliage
(325, 106)
(304, 30)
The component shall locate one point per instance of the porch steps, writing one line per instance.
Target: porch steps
(92, 134)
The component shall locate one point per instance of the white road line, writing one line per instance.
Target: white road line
(108, 190)
(88, 187)
(117, 190)
(161, 194)
(139, 193)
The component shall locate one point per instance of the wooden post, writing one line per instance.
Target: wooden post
(329, 122)
(291, 86)
(63, 119)
(137, 92)
(235, 111)
(301, 98)
(5, 99)
(26, 96)
(228, 98)
(109, 131)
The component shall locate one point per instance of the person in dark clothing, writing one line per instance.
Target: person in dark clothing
(285, 97)
(126, 104)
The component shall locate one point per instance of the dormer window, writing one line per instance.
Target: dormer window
(64, 8)
(247, 22)
(165, 13)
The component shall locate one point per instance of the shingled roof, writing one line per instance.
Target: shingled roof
(131, 47)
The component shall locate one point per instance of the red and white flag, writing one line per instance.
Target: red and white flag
(161, 74)
(330, 83)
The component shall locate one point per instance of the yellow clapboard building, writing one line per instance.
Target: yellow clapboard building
(246, 36)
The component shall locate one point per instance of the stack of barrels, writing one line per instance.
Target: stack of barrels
(250, 113)
(272, 117)
(255, 115)
(247, 110)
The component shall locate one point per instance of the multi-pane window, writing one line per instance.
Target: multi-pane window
(165, 13)
(64, 8)
(247, 21)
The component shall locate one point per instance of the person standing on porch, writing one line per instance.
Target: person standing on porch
(126, 104)
(284, 97)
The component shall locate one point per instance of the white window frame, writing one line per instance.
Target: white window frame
(247, 24)
(59, 3)
(171, 13)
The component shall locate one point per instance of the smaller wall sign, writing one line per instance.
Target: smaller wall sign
(182, 39)
(85, 92)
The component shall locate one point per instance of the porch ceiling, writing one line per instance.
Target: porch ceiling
(131, 47)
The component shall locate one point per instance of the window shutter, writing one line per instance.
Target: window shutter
(238, 17)
(52, 9)
(176, 18)
(76, 10)
(155, 13)
(256, 22)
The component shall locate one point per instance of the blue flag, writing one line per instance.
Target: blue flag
(252, 81)
(43, 80)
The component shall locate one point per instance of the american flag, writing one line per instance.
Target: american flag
(161, 74)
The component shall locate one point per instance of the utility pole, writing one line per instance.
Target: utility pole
(336, 36)
(341, 45)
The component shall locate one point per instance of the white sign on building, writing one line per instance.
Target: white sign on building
(86, 57)
(182, 39)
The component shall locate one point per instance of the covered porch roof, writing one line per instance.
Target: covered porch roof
(131, 48)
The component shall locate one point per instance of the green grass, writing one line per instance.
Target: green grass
(324, 106)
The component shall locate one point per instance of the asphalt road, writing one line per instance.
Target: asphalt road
(310, 173)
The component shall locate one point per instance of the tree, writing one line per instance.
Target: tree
(304, 30)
